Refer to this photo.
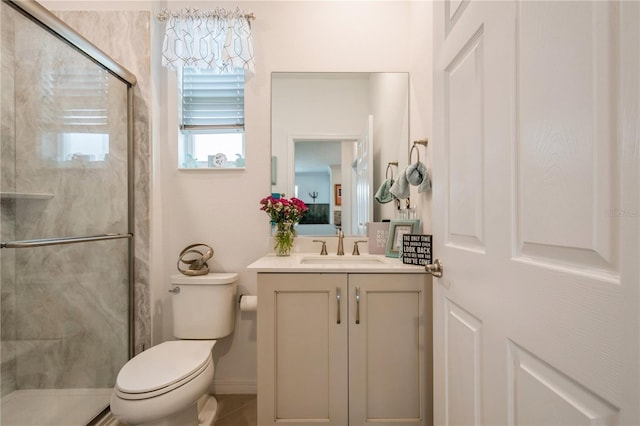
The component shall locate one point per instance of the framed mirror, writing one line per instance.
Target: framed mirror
(332, 138)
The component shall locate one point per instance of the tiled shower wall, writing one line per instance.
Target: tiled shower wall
(7, 218)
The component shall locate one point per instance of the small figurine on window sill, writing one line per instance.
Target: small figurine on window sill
(190, 162)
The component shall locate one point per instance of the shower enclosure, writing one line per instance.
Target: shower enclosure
(66, 220)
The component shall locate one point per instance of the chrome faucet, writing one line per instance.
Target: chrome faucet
(340, 243)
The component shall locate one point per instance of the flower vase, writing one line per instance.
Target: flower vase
(284, 238)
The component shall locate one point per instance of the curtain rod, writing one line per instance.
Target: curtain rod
(196, 13)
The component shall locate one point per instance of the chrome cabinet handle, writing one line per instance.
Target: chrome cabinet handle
(175, 290)
(357, 305)
(338, 295)
(435, 269)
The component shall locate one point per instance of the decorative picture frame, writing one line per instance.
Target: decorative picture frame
(377, 234)
(397, 228)
(337, 188)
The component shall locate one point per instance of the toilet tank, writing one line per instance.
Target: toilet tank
(205, 306)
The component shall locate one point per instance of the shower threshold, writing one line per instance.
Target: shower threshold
(53, 407)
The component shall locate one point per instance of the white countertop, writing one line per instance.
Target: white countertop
(365, 263)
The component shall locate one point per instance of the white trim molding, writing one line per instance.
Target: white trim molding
(235, 387)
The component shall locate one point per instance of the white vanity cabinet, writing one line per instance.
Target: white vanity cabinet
(344, 349)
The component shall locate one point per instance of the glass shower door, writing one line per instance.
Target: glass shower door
(64, 226)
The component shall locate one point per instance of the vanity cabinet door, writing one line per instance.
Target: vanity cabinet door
(302, 349)
(390, 349)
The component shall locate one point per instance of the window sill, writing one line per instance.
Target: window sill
(210, 169)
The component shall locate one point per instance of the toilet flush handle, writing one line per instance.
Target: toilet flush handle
(175, 290)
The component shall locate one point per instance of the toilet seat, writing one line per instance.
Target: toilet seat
(163, 368)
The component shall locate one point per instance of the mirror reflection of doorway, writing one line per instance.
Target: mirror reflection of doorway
(318, 168)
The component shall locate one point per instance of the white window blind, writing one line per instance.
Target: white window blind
(76, 98)
(212, 101)
(75, 113)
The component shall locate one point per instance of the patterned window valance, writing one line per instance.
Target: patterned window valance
(218, 40)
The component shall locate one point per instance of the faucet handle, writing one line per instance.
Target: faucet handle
(323, 250)
(356, 252)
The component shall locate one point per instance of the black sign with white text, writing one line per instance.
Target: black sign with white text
(416, 249)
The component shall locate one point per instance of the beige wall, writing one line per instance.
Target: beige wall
(221, 208)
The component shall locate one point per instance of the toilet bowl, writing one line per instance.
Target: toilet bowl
(167, 384)
(163, 384)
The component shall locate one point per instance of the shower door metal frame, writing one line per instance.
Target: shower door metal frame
(40, 15)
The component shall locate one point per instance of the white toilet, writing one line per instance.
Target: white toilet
(168, 384)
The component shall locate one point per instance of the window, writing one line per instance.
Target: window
(83, 146)
(211, 119)
(74, 112)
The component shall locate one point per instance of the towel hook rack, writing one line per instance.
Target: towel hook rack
(391, 163)
(424, 142)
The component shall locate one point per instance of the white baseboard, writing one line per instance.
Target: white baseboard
(234, 387)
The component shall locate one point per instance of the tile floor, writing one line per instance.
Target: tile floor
(237, 410)
(233, 410)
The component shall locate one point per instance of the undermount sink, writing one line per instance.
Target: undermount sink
(335, 260)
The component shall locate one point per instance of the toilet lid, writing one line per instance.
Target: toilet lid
(163, 365)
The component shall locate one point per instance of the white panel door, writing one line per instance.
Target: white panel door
(536, 213)
(363, 176)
